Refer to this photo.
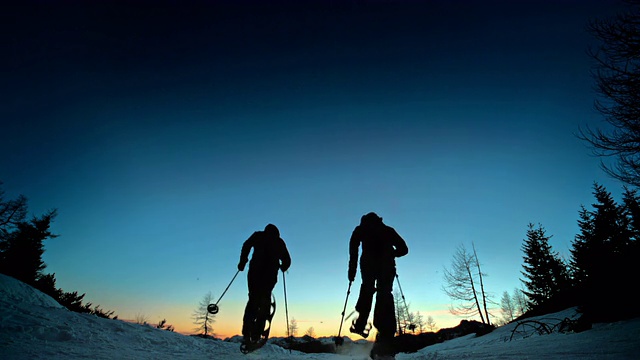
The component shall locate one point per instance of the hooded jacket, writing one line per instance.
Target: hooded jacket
(381, 244)
(269, 252)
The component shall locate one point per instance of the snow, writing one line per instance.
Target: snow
(34, 326)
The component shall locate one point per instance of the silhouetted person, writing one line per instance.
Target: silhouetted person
(381, 244)
(270, 254)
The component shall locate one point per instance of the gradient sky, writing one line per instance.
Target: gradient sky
(166, 134)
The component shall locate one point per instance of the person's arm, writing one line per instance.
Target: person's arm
(244, 253)
(399, 244)
(354, 245)
(285, 258)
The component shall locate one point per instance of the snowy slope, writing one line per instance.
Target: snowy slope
(34, 326)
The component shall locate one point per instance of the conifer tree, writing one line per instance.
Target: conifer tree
(12, 212)
(600, 255)
(545, 274)
(603, 235)
(21, 250)
(630, 255)
(631, 212)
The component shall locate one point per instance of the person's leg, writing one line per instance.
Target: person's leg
(264, 309)
(255, 284)
(250, 313)
(384, 318)
(365, 299)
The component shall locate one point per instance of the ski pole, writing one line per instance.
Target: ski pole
(338, 339)
(286, 308)
(406, 308)
(213, 308)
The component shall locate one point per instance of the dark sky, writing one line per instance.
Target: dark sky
(320, 51)
(167, 132)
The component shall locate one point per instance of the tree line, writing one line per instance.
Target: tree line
(21, 249)
(600, 273)
(598, 277)
(595, 278)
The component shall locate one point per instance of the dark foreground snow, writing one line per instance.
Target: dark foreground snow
(34, 326)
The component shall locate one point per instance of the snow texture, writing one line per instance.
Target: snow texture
(34, 326)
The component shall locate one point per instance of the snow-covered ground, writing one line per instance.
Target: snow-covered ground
(34, 326)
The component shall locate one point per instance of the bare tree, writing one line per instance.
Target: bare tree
(311, 332)
(418, 322)
(462, 288)
(507, 307)
(431, 324)
(617, 76)
(519, 301)
(481, 278)
(404, 318)
(202, 317)
(512, 305)
(293, 327)
(400, 318)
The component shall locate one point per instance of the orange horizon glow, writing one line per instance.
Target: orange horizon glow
(229, 323)
(224, 330)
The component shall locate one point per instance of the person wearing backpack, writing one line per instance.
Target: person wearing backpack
(270, 254)
(381, 245)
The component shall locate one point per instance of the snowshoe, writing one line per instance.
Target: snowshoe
(362, 330)
(259, 329)
(249, 346)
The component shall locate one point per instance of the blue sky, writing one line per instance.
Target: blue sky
(165, 136)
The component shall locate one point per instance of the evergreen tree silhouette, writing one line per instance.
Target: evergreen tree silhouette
(21, 250)
(545, 273)
(602, 256)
